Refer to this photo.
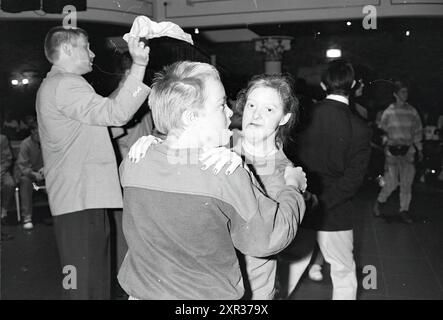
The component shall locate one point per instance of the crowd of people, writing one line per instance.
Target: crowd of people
(21, 171)
(202, 211)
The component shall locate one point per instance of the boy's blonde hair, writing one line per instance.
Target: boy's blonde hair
(177, 88)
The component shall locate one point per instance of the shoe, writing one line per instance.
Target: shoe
(405, 217)
(376, 209)
(28, 225)
(6, 237)
(315, 273)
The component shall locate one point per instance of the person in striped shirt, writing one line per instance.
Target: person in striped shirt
(403, 138)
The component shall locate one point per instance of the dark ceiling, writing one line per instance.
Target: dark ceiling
(21, 46)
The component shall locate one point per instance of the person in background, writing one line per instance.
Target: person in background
(440, 133)
(123, 137)
(7, 182)
(29, 169)
(432, 152)
(315, 270)
(356, 103)
(402, 126)
(334, 149)
(79, 161)
(141, 123)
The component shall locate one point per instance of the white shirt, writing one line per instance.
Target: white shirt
(338, 98)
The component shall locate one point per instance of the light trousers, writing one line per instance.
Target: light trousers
(398, 171)
(337, 249)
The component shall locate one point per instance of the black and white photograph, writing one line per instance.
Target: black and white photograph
(228, 156)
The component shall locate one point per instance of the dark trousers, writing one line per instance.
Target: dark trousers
(7, 186)
(84, 245)
(120, 248)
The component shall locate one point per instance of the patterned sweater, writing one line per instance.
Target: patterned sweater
(402, 126)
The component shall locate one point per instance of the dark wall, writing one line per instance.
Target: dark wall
(385, 53)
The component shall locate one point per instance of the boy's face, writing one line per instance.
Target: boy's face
(402, 95)
(214, 119)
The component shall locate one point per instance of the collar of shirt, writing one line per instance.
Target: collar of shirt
(250, 149)
(56, 69)
(338, 98)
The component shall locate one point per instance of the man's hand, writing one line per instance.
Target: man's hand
(140, 147)
(311, 199)
(138, 51)
(296, 177)
(218, 157)
(36, 176)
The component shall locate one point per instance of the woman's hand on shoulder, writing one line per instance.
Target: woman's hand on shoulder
(140, 147)
(217, 158)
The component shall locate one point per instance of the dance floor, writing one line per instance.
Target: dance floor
(402, 261)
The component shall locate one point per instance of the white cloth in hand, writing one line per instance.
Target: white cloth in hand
(144, 27)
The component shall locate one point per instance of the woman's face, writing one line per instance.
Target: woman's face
(262, 115)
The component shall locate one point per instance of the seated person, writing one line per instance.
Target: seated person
(7, 183)
(29, 169)
(182, 224)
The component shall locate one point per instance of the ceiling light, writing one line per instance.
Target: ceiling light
(333, 53)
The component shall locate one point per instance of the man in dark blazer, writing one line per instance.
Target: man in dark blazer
(334, 149)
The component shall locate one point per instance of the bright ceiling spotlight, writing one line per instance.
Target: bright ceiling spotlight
(25, 81)
(407, 33)
(333, 53)
(196, 31)
(14, 82)
(349, 23)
